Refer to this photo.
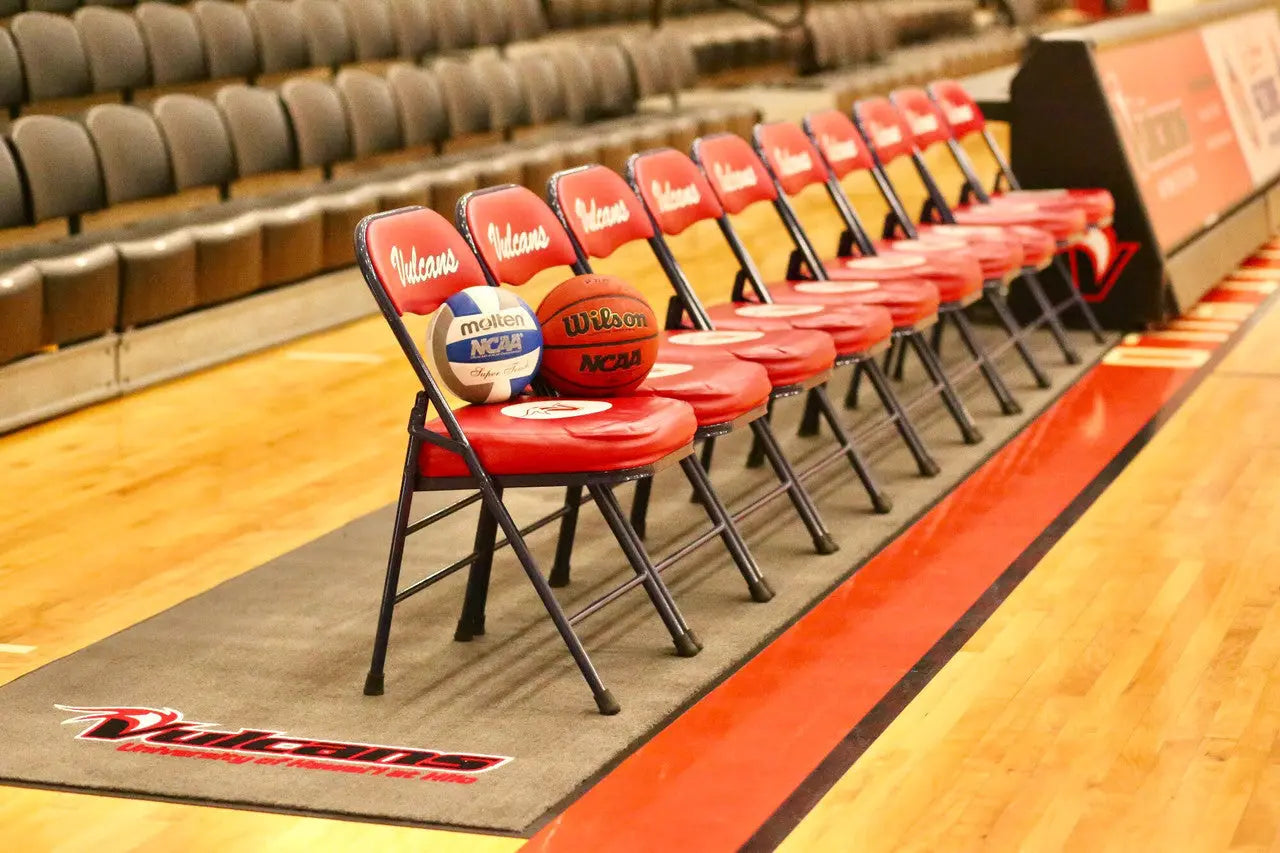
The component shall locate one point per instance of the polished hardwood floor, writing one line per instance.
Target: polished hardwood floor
(1124, 696)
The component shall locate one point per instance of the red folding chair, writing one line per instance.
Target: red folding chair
(601, 214)
(413, 260)
(963, 118)
(725, 393)
(913, 300)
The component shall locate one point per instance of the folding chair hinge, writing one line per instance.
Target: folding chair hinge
(1000, 184)
(892, 226)
(928, 212)
(740, 282)
(675, 313)
(847, 245)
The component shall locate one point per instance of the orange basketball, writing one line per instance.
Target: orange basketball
(599, 336)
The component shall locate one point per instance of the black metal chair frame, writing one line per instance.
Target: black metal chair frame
(818, 406)
(722, 521)
(495, 516)
(789, 482)
(973, 188)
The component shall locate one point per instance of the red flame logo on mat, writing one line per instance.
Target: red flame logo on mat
(124, 722)
(163, 731)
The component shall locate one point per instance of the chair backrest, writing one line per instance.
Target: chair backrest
(135, 161)
(960, 109)
(371, 29)
(114, 48)
(789, 156)
(319, 121)
(52, 56)
(419, 100)
(413, 28)
(599, 209)
(229, 47)
(328, 35)
(415, 259)
(454, 24)
(371, 109)
(198, 142)
(733, 170)
(884, 129)
(277, 28)
(674, 191)
(838, 141)
(13, 84)
(465, 96)
(173, 42)
(260, 134)
(61, 166)
(13, 201)
(513, 233)
(928, 124)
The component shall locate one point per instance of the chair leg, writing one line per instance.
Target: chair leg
(374, 681)
(471, 623)
(756, 457)
(924, 461)
(855, 382)
(1090, 318)
(686, 642)
(1008, 405)
(1019, 337)
(879, 500)
(729, 534)
(811, 422)
(935, 338)
(1051, 318)
(604, 699)
(823, 542)
(900, 365)
(640, 506)
(564, 543)
(929, 360)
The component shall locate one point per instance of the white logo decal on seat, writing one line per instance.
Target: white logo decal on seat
(886, 136)
(960, 114)
(922, 124)
(510, 244)
(777, 310)
(712, 339)
(414, 270)
(839, 150)
(554, 410)
(674, 198)
(836, 286)
(732, 180)
(594, 218)
(792, 164)
(896, 262)
(663, 369)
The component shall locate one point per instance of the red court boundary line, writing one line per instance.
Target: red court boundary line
(720, 770)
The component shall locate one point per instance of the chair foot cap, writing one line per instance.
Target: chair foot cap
(760, 591)
(373, 684)
(825, 545)
(607, 704)
(685, 646)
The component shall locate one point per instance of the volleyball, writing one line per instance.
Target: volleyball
(486, 344)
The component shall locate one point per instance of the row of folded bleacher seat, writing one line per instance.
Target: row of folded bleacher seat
(192, 201)
(99, 51)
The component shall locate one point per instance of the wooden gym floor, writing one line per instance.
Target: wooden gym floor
(1125, 695)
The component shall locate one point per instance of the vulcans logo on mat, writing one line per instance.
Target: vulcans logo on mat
(734, 179)
(512, 245)
(674, 198)
(792, 164)
(415, 270)
(163, 731)
(595, 218)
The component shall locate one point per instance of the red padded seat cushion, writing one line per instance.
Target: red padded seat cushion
(549, 435)
(955, 272)
(1066, 225)
(1098, 204)
(908, 300)
(719, 388)
(855, 328)
(791, 356)
(998, 254)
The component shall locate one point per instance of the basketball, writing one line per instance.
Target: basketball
(600, 336)
(485, 343)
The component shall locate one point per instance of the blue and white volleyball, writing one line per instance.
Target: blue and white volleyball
(486, 344)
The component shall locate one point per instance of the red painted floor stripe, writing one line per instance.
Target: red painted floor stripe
(712, 777)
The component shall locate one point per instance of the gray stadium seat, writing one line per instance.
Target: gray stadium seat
(58, 159)
(259, 129)
(413, 27)
(52, 57)
(277, 27)
(13, 205)
(57, 7)
(371, 30)
(131, 151)
(371, 110)
(114, 48)
(324, 23)
(173, 44)
(199, 145)
(319, 122)
(454, 24)
(229, 46)
(419, 100)
(12, 83)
